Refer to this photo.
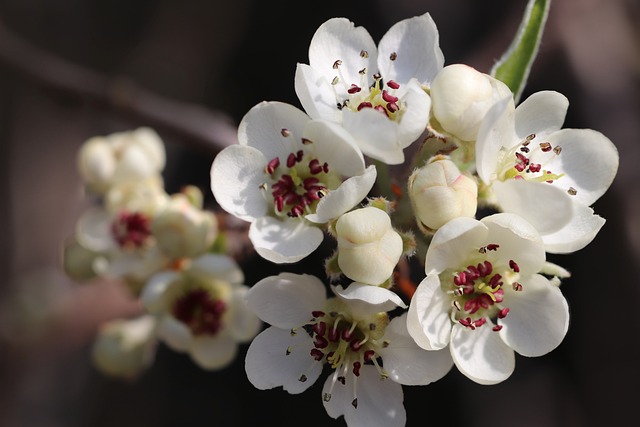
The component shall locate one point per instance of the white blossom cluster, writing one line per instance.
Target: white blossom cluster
(488, 188)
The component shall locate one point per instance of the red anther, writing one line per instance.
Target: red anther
(347, 335)
(299, 155)
(388, 97)
(291, 160)
(317, 313)
(514, 266)
(317, 354)
(472, 272)
(522, 159)
(496, 328)
(485, 268)
(356, 368)
(524, 149)
(485, 300)
(503, 313)
(517, 286)
(545, 146)
(495, 280)
(467, 323)
(492, 247)
(481, 321)
(535, 167)
(334, 334)
(355, 345)
(273, 165)
(520, 167)
(325, 167)
(460, 278)
(354, 89)
(549, 181)
(320, 328)
(471, 306)
(499, 294)
(315, 167)
(393, 107)
(364, 105)
(285, 132)
(368, 355)
(296, 211)
(320, 342)
(310, 182)
(381, 109)
(279, 202)
(393, 85)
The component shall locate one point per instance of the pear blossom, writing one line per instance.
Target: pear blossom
(439, 192)
(124, 348)
(121, 157)
(371, 355)
(375, 92)
(548, 175)
(368, 246)
(483, 297)
(201, 310)
(287, 176)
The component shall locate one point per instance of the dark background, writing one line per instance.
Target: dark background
(72, 69)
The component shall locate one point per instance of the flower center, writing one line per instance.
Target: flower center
(478, 293)
(380, 96)
(200, 311)
(131, 229)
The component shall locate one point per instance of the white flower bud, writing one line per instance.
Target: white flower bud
(461, 96)
(368, 246)
(440, 193)
(182, 230)
(147, 196)
(124, 348)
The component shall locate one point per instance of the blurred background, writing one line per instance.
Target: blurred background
(72, 69)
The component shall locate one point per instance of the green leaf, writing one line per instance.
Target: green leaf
(514, 66)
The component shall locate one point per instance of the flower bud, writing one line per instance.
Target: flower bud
(461, 96)
(368, 246)
(182, 230)
(440, 193)
(124, 348)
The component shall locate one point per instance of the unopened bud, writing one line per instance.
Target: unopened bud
(368, 246)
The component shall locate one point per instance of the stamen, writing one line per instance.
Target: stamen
(572, 191)
(285, 132)
(306, 141)
(545, 147)
(557, 149)
(503, 313)
(337, 64)
(496, 328)
(393, 56)
(354, 89)
(514, 266)
(393, 84)
(517, 286)
(364, 54)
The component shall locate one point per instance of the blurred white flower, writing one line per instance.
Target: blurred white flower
(370, 355)
(287, 175)
(483, 297)
(201, 310)
(368, 246)
(376, 93)
(548, 175)
(439, 192)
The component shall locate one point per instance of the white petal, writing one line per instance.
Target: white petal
(287, 300)
(538, 317)
(339, 39)
(545, 206)
(284, 241)
(541, 114)
(174, 333)
(342, 199)
(517, 240)
(236, 175)
(416, 105)
(242, 323)
(379, 401)
(589, 160)
(365, 299)
(375, 134)
(93, 230)
(481, 355)
(334, 145)
(428, 319)
(213, 352)
(415, 41)
(316, 94)
(453, 242)
(408, 364)
(219, 266)
(261, 128)
(577, 234)
(496, 130)
(277, 358)
(153, 294)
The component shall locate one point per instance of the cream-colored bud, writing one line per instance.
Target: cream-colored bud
(461, 96)
(439, 192)
(368, 246)
(182, 230)
(124, 348)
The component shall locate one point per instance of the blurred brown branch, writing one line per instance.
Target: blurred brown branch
(196, 125)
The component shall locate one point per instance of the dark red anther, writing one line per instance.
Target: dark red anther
(393, 107)
(467, 323)
(347, 335)
(495, 280)
(549, 181)
(481, 321)
(320, 342)
(520, 167)
(460, 278)
(522, 159)
(393, 85)
(334, 334)
(368, 355)
(503, 313)
(317, 354)
(320, 328)
(514, 266)
(535, 167)
(279, 202)
(492, 247)
(325, 167)
(364, 105)
(291, 160)
(354, 89)
(472, 272)
(273, 165)
(317, 313)
(355, 345)
(356, 368)
(388, 97)
(545, 146)
(315, 167)
(381, 109)
(471, 306)
(296, 211)
(485, 268)
(496, 328)
(299, 155)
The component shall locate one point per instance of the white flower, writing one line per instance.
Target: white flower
(286, 176)
(125, 347)
(439, 193)
(371, 356)
(201, 310)
(121, 157)
(375, 93)
(368, 246)
(483, 297)
(461, 96)
(548, 175)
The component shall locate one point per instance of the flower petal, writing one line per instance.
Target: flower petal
(316, 94)
(366, 299)
(278, 358)
(496, 129)
(481, 355)
(375, 134)
(153, 294)
(213, 352)
(287, 300)
(219, 266)
(284, 241)
(415, 105)
(174, 333)
(331, 143)
(415, 42)
(342, 199)
(452, 243)
(237, 173)
(428, 319)
(408, 364)
(541, 114)
(93, 230)
(242, 323)
(538, 317)
(379, 402)
(577, 234)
